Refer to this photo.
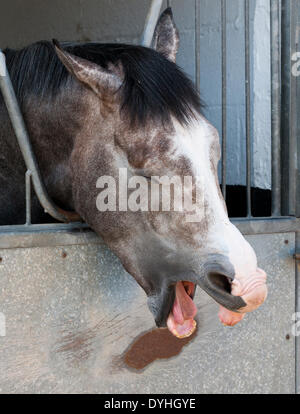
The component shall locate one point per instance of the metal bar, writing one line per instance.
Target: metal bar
(297, 212)
(151, 21)
(197, 43)
(289, 107)
(36, 228)
(275, 13)
(39, 235)
(28, 197)
(50, 237)
(286, 105)
(25, 147)
(296, 10)
(248, 108)
(297, 310)
(267, 225)
(296, 132)
(224, 97)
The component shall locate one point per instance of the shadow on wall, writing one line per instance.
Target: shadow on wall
(153, 345)
(236, 201)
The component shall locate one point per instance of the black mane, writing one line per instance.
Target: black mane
(153, 86)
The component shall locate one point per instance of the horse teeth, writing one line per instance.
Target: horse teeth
(189, 333)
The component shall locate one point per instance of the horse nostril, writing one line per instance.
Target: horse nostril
(220, 281)
(218, 284)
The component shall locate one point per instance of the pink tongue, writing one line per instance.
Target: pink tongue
(181, 320)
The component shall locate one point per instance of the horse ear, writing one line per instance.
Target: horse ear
(100, 80)
(166, 36)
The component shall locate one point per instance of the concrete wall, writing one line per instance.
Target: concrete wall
(72, 314)
(23, 22)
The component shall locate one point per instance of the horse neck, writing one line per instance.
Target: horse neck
(53, 125)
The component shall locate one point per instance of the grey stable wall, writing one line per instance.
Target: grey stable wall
(72, 312)
(70, 309)
(23, 22)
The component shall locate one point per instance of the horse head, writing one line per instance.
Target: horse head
(143, 121)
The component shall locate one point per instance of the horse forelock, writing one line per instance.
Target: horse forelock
(153, 87)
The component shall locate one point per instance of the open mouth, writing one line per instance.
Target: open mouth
(234, 297)
(181, 320)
